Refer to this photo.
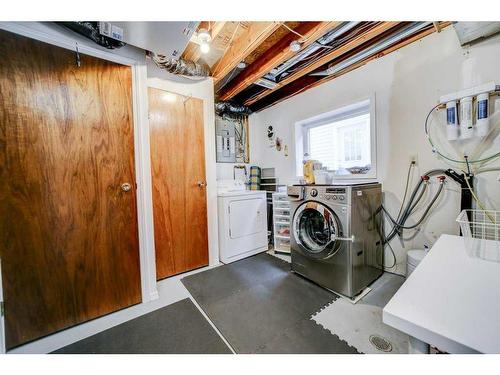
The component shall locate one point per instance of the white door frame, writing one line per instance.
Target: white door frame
(141, 145)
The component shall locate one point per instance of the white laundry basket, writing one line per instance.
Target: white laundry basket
(483, 224)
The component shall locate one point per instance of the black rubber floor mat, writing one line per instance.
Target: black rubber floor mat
(175, 329)
(259, 306)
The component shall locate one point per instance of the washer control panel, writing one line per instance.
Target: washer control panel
(332, 194)
(335, 194)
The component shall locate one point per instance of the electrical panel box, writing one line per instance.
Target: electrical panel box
(225, 138)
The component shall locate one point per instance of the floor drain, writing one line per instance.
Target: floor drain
(380, 343)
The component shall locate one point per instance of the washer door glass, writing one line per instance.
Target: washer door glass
(316, 228)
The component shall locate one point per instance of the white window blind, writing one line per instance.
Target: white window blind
(341, 140)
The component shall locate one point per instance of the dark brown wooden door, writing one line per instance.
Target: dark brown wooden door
(69, 241)
(179, 185)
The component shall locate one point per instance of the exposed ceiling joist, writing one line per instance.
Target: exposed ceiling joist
(240, 48)
(193, 51)
(353, 43)
(276, 55)
(309, 82)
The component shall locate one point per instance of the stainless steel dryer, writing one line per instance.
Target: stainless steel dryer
(336, 236)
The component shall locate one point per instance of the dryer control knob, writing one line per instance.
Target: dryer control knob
(314, 193)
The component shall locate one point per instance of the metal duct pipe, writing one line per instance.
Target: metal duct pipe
(226, 107)
(180, 66)
(325, 39)
(406, 32)
(91, 30)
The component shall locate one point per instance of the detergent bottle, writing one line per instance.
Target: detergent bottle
(308, 169)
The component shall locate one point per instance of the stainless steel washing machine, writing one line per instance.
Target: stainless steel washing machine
(336, 235)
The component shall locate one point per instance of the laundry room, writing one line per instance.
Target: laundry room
(216, 183)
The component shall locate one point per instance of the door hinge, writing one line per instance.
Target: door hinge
(2, 309)
(229, 232)
(229, 209)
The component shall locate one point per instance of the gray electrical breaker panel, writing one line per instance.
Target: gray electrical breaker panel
(225, 140)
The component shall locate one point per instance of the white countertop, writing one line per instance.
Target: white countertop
(452, 299)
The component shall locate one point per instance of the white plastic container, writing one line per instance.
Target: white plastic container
(413, 259)
(466, 130)
(322, 177)
(482, 113)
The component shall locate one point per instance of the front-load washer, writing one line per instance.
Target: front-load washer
(336, 235)
(242, 221)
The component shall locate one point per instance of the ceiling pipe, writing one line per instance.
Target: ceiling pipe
(402, 34)
(228, 108)
(324, 40)
(186, 68)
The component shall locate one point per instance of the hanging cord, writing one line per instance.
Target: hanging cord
(406, 188)
(303, 38)
(478, 201)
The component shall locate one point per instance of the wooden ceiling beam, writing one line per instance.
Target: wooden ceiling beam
(308, 82)
(240, 48)
(275, 56)
(193, 52)
(334, 53)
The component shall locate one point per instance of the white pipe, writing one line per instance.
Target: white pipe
(374, 49)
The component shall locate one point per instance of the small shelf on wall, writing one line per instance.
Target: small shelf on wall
(281, 223)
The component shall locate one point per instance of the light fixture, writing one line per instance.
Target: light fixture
(204, 36)
(295, 46)
(242, 65)
(204, 39)
(204, 47)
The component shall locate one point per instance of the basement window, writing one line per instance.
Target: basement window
(343, 140)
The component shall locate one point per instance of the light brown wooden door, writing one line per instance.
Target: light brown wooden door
(179, 184)
(69, 241)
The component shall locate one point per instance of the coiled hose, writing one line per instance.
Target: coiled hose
(416, 196)
(400, 226)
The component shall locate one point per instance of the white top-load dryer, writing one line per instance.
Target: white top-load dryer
(242, 221)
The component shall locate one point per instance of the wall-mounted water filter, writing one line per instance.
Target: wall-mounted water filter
(466, 122)
(467, 111)
(452, 128)
(482, 114)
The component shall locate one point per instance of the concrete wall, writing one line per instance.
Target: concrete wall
(406, 85)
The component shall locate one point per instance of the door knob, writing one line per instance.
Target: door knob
(201, 184)
(126, 186)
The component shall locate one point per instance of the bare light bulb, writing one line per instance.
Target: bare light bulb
(295, 46)
(204, 48)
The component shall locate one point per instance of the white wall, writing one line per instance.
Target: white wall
(406, 84)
